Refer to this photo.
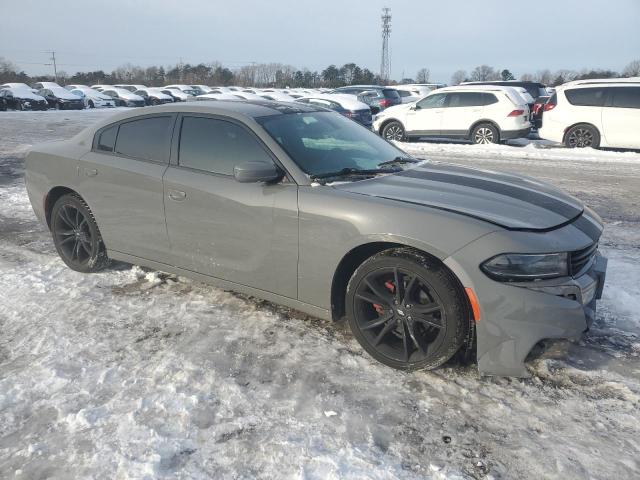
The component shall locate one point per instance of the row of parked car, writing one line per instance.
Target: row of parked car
(584, 113)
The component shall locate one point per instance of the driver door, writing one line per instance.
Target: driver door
(425, 117)
(246, 233)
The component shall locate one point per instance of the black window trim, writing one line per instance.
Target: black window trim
(611, 93)
(177, 133)
(96, 137)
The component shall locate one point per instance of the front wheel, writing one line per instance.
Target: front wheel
(485, 134)
(91, 104)
(76, 235)
(582, 136)
(407, 310)
(393, 131)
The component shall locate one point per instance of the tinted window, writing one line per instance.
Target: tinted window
(432, 101)
(489, 99)
(465, 99)
(404, 93)
(586, 97)
(107, 139)
(147, 139)
(217, 146)
(626, 97)
(388, 93)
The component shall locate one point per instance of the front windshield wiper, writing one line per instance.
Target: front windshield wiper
(350, 172)
(399, 160)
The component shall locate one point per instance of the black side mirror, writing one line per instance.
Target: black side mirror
(257, 172)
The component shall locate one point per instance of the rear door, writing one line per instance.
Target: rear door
(462, 110)
(425, 118)
(621, 117)
(246, 233)
(121, 180)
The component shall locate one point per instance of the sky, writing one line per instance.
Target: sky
(443, 36)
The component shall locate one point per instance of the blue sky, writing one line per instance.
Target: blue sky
(443, 36)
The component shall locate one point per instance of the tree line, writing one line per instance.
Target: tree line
(282, 75)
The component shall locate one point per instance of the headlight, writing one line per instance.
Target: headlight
(523, 267)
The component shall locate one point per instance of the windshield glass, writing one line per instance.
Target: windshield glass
(322, 142)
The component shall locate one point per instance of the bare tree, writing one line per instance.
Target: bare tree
(633, 69)
(483, 73)
(544, 76)
(458, 77)
(527, 77)
(423, 75)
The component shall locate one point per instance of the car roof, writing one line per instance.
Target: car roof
(505, 83)
(580, 84)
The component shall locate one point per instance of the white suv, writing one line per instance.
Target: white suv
(482, 114)
(594, 114)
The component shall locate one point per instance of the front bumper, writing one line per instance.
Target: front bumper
(516, 316)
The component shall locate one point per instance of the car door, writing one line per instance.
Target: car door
(425, 117)
(121, 180)
(246, 233)
(621, 117)
(462, 110)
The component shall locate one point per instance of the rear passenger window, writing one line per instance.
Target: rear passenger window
(146, 139)
(465, 99)
(107, 139)
(217, 146)
(586, 97)
(626, 97)
(489, 99)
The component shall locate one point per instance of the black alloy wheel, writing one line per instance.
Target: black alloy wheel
(393, 131)
(406, 310)
(76, 235)
(582, 136)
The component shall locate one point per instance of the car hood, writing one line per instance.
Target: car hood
(510, 201)
(26, 95)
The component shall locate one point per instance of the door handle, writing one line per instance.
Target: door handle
(177, 195)
(90, 172)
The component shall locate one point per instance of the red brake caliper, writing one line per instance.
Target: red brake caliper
(379, 308)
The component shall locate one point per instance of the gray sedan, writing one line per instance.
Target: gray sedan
(303, 207)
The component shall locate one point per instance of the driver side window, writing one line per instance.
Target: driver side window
(432, 101)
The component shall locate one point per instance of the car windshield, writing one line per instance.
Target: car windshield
(323, 142)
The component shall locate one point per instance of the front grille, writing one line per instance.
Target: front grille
(580, 260)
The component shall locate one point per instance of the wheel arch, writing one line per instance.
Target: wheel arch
(356, 256)
(566, 130)
(481, 121)
(52, 197)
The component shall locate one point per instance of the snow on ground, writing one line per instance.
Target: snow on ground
(137, 374)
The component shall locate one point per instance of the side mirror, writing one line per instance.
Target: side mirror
(257, 172)
(414, 107)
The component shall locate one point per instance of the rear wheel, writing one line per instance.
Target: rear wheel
(393, 131)
(76, 235)
(582, 136)
(407, 310)
(91, 104)
(484, 134)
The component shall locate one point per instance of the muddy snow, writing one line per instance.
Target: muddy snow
(132, 373)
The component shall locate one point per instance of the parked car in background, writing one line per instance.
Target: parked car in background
(479, 113)
(75, 86)
(17, 85)
(40, 85)
(93, 99)
(214, 95)
(344, 104)
(593, 115)
(537, 110)
(201, 89)
(154, 96)
(124, 98)
(535, 89)
(61, 98)
(300, 206)
(177, 95)
(100, 87)
(22, 98)
(188, 89)
(247, 95)
(131, 87)
(276, 96)
(413, 92)
(375, 96)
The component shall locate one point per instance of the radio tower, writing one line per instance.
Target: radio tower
(385, 64)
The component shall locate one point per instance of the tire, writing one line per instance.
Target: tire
(19, 106)
(420, 326)
(394, 131)
(155, 101)
(91, 104)
(582, 136)
(485, 134)
(76, 235)
(58, 106)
